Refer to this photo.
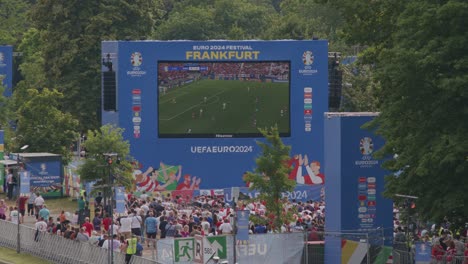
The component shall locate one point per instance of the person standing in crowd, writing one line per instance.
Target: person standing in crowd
(185, 232)
(82, 236)
(106, 222)
(151, 225)
(131, 248)
(38, 203)
(3, 209)
(14, 215)
(10, 184)
(89, 226)
(115, 243)
(143, 196)
(97, 221)
(94, 239)
(44, 212)
(62, 218)
(31, 199)
(136, 223)
(41, 227)
(125, 228)
(171, 229)
(226, 227)
(162, 226)
(22, 206)
(103, 240)
(205, 226)
(115, 228)
(81, 209)
(98, 199)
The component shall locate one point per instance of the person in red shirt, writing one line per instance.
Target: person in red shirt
(437, 251)
(22, 206)
(88, 225)
(106, 222)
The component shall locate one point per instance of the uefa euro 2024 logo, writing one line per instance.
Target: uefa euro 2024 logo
(308, 58)
(366, 146)
(136, 59)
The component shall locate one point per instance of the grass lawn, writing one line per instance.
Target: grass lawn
(10, 256)
(55, 205)
(223, 107)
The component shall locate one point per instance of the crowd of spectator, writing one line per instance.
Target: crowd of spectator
(148, 218)
(448, 244)
(170, 74)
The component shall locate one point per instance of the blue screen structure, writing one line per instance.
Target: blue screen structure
(355, 186)
(6, 69)
(191, 110)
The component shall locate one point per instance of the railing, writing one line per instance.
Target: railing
(296, 247)
(58, 249)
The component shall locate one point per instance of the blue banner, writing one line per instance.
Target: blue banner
(423, 252)
(355, 183)
(243, 226)
(6, 69)
(46, 175)
(25, 182)
(301, 193)
(119, 200)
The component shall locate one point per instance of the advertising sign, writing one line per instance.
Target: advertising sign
(46, 173)
(120, 200)
(354, 193)
(25, 182)
(423, 252)
(192, 110)
(243, 226)
(301, 193)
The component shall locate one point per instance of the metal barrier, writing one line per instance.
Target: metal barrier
(58, 249)
(403, 257)
(261, 248)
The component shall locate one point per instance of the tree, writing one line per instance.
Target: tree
(99, 144)
(5, 109)
(270, 177)
(190, 22)
(300, 19)
(43, 126)
(420, 52)
(71, 33)
(13, 20)
(221, 19)
(360, 88)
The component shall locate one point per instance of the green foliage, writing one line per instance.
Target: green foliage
(5, 109)
(222, 19)
(360, 89)
(13, 22)
(108, 139)
(70, 36)
(420, 50)
(299, 19)
(42, 126)
(190, 22)
(270, 176)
